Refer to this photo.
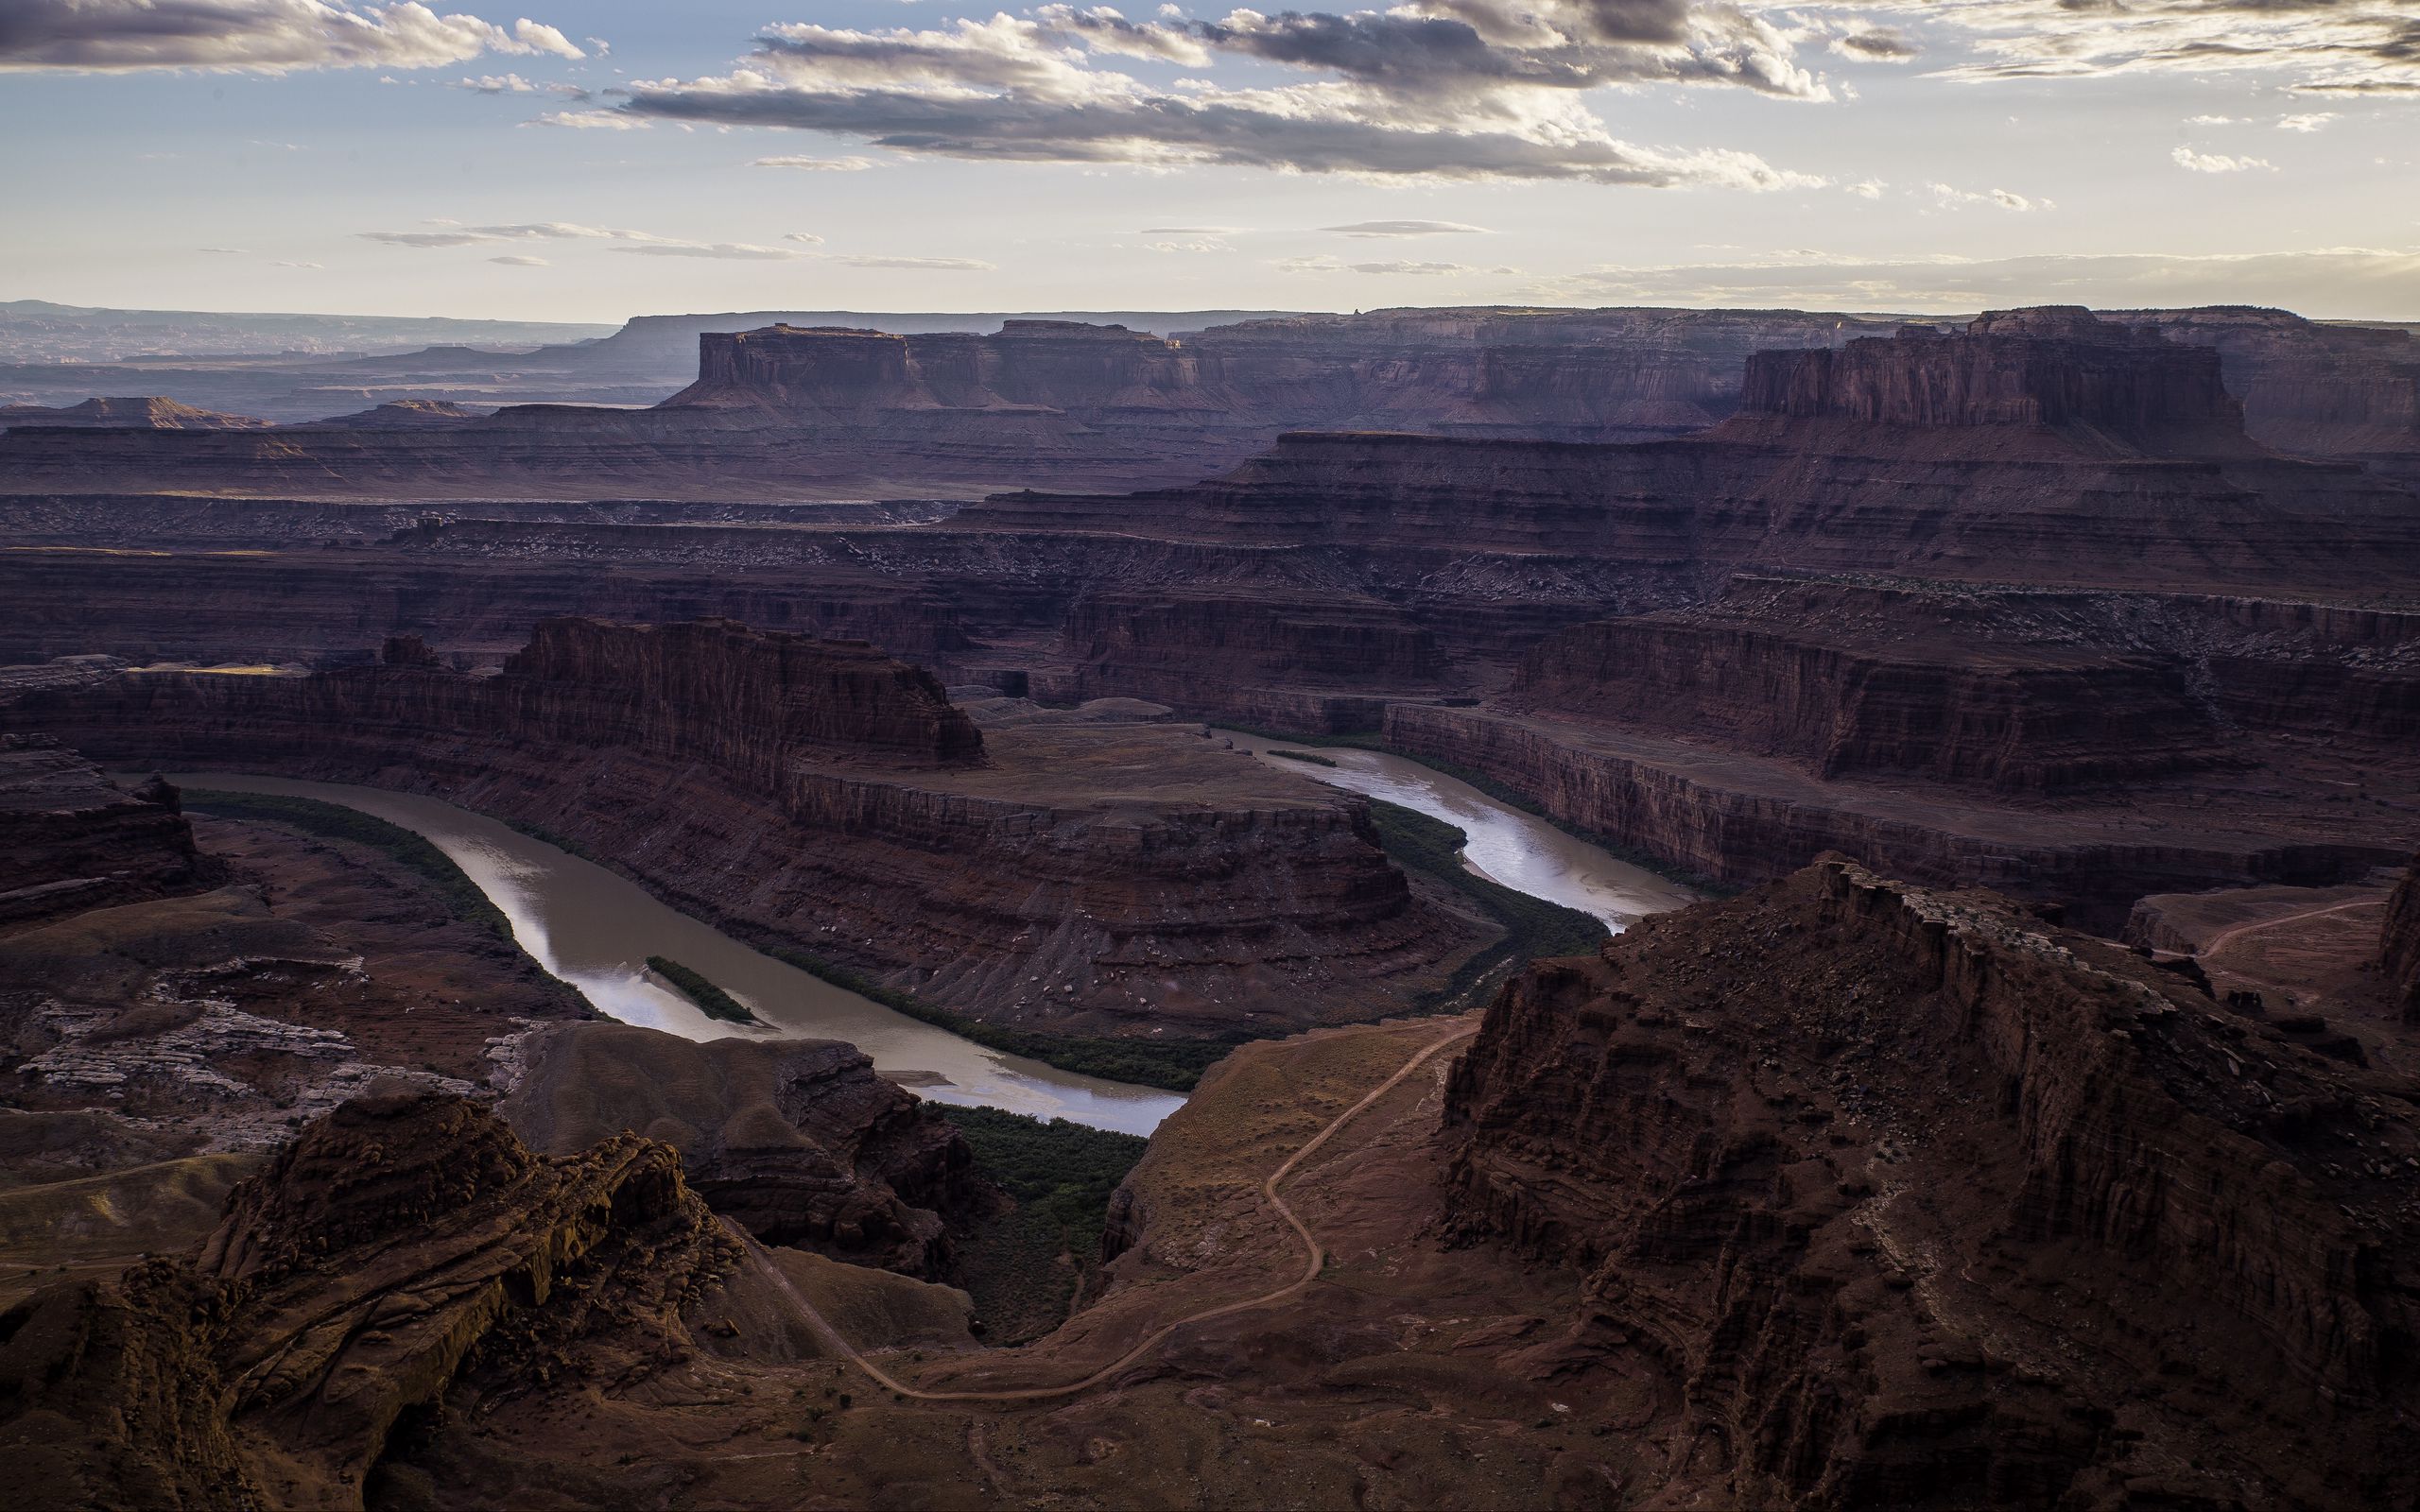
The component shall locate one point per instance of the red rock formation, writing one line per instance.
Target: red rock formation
(818, 795)
(75, 840)
(1224, 653)
(2342, 391)
(383, 1250)
(1913, 1200)
(2054, 368)
(1738, 818)
(797, 1141)
(2399, 943)
(1931, 685)
(749, 702)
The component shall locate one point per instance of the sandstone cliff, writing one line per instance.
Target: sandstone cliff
(816, 795)
(385, 1248)
(1919, 1201)
(74, 839)
(797, 1141)
(2055, 368)
(2399, 943)
(1740, 819)
(2314, 390)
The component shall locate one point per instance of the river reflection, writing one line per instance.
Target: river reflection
(595, 930)
(1520, 851)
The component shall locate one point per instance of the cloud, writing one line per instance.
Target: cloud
(1950, 198)
(2313, 46)
(517, 261)
(1188, 246)
(590, 121)
(922, 265)
(2193, 161)
(223, 251)
(1867, 188)
(457, 235)
(1875, 44)
(2214, 120)
(1441, 89)
(2328, 283)
(2316, 120)
(850, 165)
(1333, 265)
(497, 84)
(294, 264)
(733, 252)
(253, 36)
(807, 236)
(1193, 231)
(1407, 227)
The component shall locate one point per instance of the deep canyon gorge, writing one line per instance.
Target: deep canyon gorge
(1947, 1039)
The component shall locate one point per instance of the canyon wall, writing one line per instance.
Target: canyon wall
(73, 840)
(2053, 367)
(2332, 390)
(797, 1141)
(396, 1246)
(1995, 718)
(2399, 943)
(1130, 878)
(1740, 819)
(1922, 1202)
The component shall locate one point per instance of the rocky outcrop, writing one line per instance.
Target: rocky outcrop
(76, 840)
(1225, 652)
(350, 1283)
(797, 1141)
(819, 796)
(1921, 1202)
(2053, 367)
(1740, 819)
(1933, 686)
(2341, 391)
(749, 702)
(2399, 944)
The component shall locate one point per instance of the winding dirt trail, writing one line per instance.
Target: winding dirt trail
(2228, 937)
(1315, 1258)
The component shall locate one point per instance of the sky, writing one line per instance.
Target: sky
(598, 158)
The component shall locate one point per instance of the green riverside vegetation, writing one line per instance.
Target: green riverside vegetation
(333, 821)
(711, 1000)
(1024, 1270)
(1533, 926)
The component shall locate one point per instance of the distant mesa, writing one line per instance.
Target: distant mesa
(151, 413)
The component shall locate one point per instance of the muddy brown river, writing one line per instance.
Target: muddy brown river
(596, 928)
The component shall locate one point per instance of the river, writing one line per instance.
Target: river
(1520, 851)
(595, 929)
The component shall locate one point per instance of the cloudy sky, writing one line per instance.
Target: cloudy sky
(600, 158)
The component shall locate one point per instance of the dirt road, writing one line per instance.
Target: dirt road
(1315, 1258)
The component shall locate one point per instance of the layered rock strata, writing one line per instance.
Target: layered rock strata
(74, 839)
(2399, 944)
(821, 795)
(1916, 1200)
(2344, 391)
(797, 1141)
(1737, 818)
(390, 1247)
